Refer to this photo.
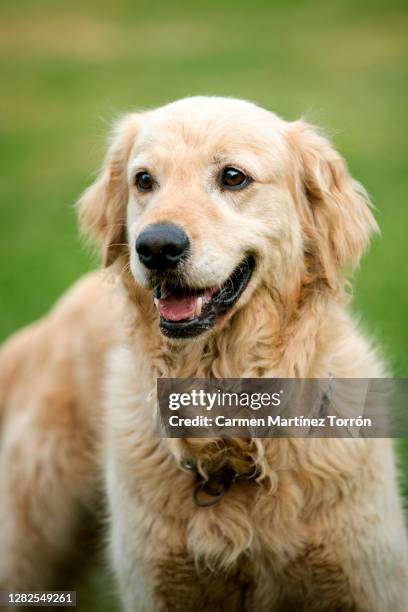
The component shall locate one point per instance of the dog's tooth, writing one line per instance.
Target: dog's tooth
(156, 303)
(199, 306)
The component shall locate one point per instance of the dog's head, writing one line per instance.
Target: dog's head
(210, 198)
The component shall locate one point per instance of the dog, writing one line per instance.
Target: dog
(226, 232)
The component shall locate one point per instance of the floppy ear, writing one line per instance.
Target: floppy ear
(102, 208)
(334, 208)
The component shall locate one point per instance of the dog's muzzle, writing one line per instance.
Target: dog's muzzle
(186, 312)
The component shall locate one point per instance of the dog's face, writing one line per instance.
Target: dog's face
(215, 197)
(206, 203)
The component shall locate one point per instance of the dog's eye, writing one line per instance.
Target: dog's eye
(144, 181)
(231, 178)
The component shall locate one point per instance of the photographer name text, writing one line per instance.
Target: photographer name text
(270, 421)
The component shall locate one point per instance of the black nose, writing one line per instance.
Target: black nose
(162, 246)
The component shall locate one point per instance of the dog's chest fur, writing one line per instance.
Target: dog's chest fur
(273, 520)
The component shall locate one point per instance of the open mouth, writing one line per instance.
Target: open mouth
(186, 312)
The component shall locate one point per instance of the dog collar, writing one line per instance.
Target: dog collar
(209, 491)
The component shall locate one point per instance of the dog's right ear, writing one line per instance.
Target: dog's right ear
(102, 208)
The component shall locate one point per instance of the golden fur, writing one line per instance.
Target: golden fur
(50, 396)
(322, 528)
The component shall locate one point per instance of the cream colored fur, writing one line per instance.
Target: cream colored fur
(322, 528)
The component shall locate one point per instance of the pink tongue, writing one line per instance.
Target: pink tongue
(177, 308)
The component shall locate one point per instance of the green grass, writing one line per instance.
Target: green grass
(68, 68)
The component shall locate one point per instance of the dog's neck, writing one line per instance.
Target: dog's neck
(268, 337)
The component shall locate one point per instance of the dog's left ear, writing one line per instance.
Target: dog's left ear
(334, 208)
(102, 208)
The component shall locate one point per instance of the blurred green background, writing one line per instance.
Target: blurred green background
(69, 68)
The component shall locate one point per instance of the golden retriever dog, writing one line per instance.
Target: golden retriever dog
(227, 231)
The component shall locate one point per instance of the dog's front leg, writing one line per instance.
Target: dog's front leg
(356, 559)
